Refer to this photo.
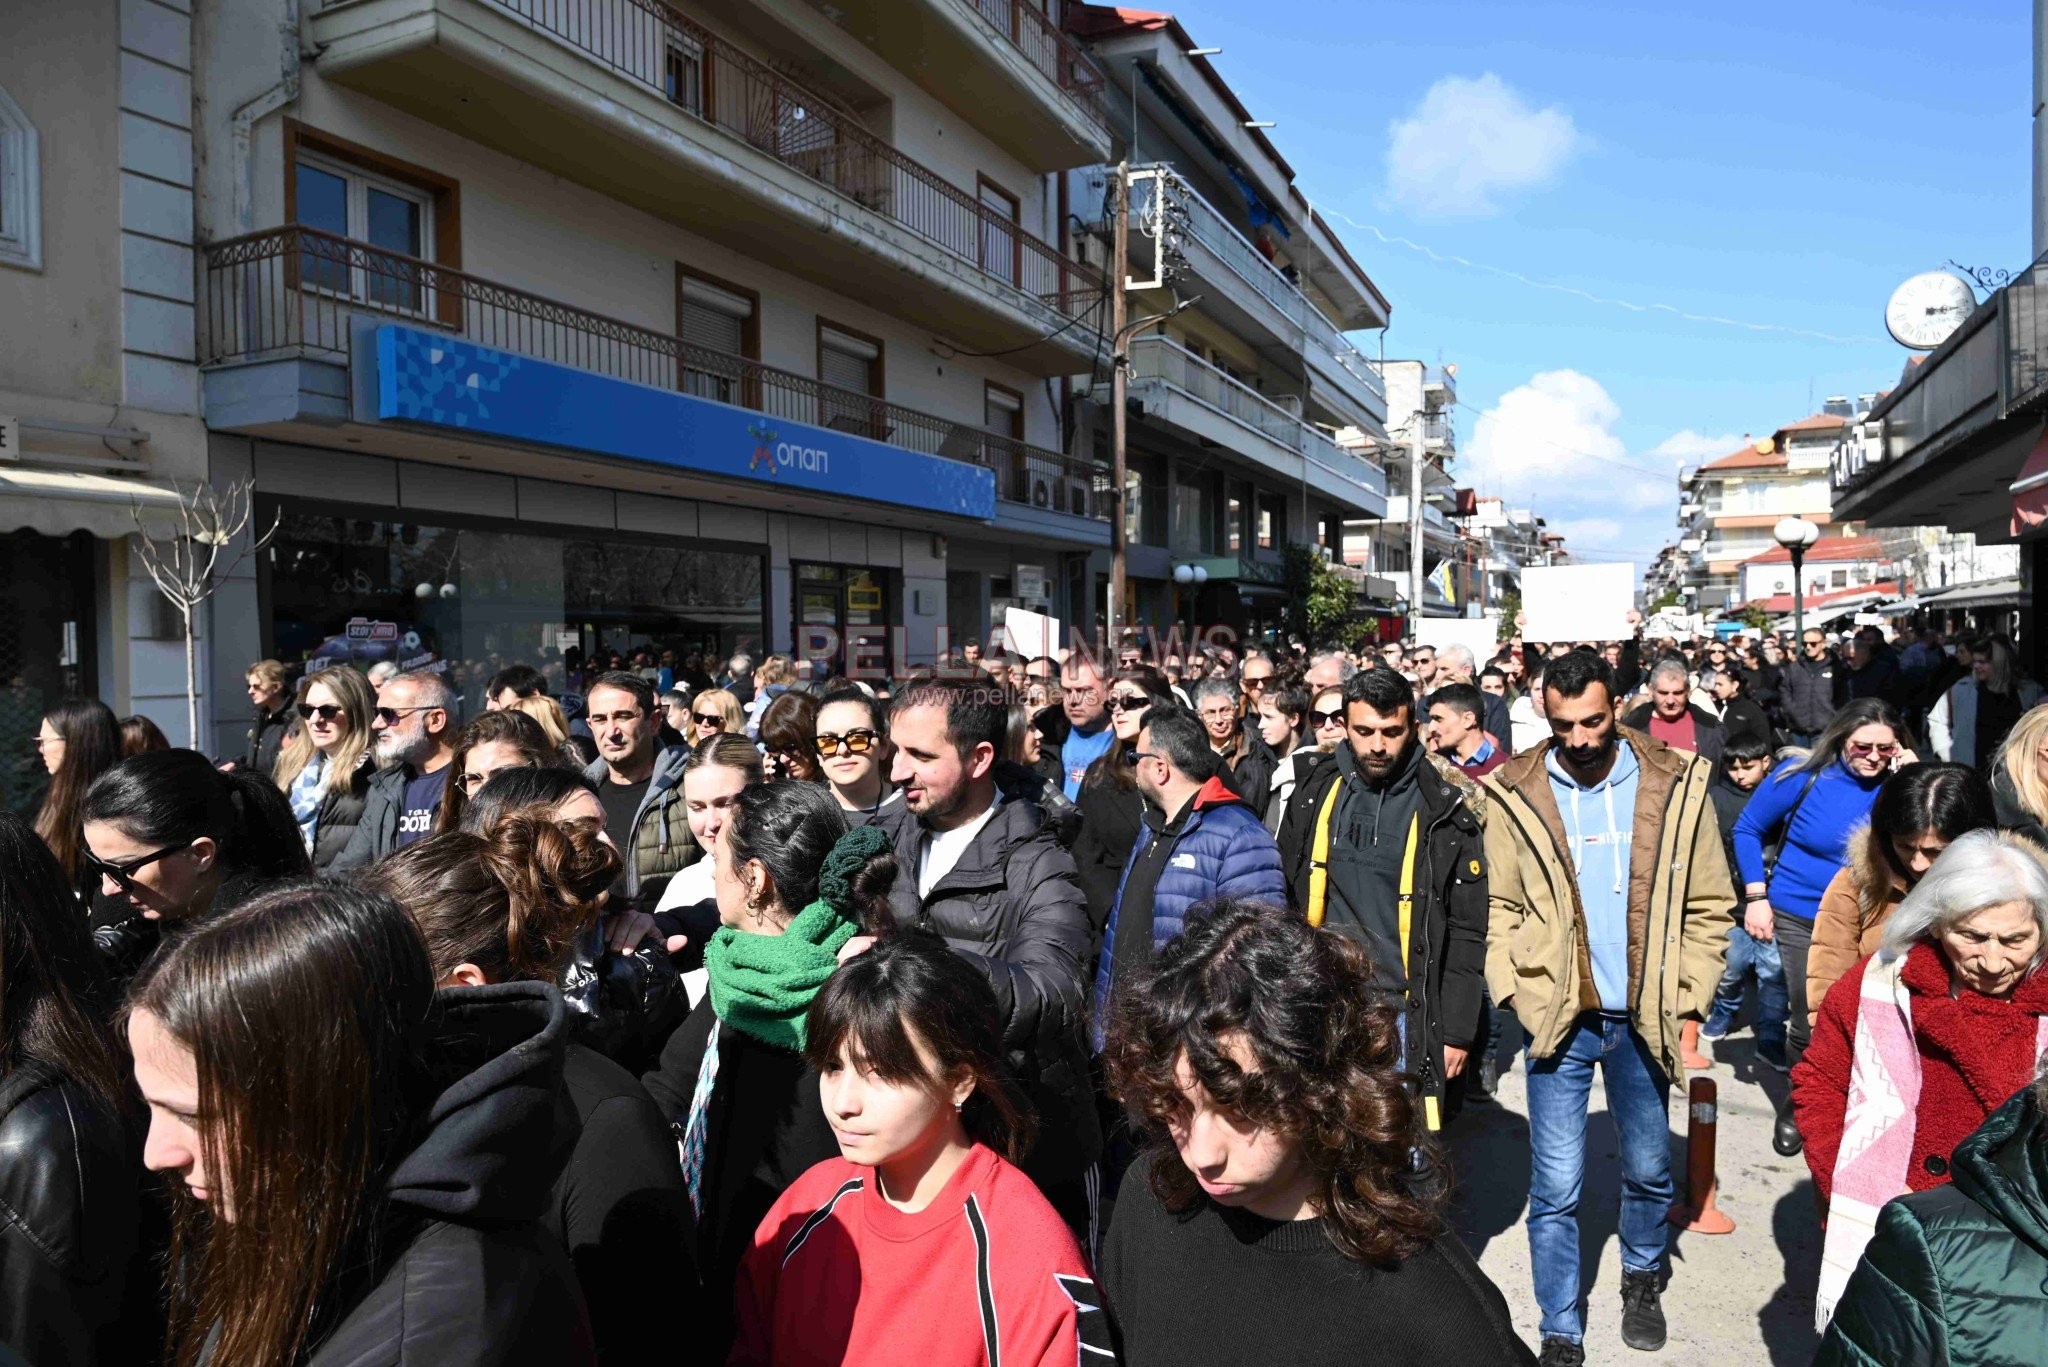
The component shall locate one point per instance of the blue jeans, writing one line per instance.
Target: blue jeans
(1559, 1088)
(1747, 954)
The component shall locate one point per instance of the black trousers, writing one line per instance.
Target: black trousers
(1795, 937)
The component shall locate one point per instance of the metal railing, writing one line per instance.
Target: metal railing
(1159, 358)
(293, 291)
(1059, 57)
(705, 76)
(1209, 227)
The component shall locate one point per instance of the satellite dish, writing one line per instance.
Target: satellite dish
(1925, 311)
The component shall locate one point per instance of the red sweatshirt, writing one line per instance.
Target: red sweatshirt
(987, 1274)
(1975, 1052)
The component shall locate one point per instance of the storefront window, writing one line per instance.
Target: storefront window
(46, 639)
(359, 590)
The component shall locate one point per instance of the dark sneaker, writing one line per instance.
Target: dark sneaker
(1562, 1353)
(1642, 1312)
(1772, 1052)
(1488, 1080)
(1716, 1026)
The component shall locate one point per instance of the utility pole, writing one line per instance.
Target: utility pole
(1119, 385)
(1414, 522)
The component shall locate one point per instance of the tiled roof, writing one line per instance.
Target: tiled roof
(1748, 458)
(1779, 604)
(1819, 422)
(1827, 548)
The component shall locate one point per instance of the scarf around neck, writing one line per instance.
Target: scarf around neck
(763, 985)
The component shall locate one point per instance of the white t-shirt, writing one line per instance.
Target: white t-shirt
(942, 849)
(691, 886)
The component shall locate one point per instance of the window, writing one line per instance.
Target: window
(394, 219)
(682, 75)
(1195, 505)
(714, 317)
(1236, 520)
(849, 360)
(1001, 248)
(1272, 523)
(1839, 579)
(1144, 498)
(21, 189)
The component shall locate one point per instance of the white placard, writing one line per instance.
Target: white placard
(1578, 602)
(1031, 634)
(1482, 634)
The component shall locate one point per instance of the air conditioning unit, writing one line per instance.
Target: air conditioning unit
(1078, 491)
(1041, 491)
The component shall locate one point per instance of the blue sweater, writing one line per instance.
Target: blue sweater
(1599, 821)
(1817, 841)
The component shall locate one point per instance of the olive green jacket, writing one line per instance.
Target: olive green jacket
(1681, 901)
(1958, 1275)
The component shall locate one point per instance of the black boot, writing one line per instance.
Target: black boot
(1785, 1136)
(1487, 1081)
(1562, 1353)
(1642, 1311)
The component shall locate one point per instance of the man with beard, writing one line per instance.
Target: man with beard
(986, 870)
(1611, 903)
(1383, 845)
(415, 724)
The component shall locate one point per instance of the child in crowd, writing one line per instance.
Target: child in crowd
(1745, 761)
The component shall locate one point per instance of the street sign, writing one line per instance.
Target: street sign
(1032, 583)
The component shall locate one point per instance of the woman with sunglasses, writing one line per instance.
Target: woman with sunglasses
(79, 741)
(1803, 814)
(325, 766)
(789, 739)
(1112, 808)
(853, 748)
(713, 712)
(488, 743)
(1326, 720)
(168, 836)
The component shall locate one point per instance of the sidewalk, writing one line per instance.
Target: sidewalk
(1744, 1298)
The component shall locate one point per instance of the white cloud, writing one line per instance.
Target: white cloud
(1470, 143)
(1692, 448)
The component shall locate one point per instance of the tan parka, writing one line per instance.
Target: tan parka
(1681, 901)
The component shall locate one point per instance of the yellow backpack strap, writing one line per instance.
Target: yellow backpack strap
(1430, 1116)
(1319, 854)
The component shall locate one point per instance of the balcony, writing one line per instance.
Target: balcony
(1439, 437)
(1256, 299)
(999, 64)
(1187, 392)
(278, 310)
(1439, 388)
(641, 104)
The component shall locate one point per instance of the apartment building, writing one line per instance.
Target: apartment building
(576, 325)
(99, 394)
(1727, 507)
(1236, 401)
(1421, 436)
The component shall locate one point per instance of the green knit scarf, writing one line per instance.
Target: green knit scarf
(762, 985)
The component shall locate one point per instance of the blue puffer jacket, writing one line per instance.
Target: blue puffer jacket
(1224, 851)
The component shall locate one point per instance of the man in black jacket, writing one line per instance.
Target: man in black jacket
(987, 871)
(1385, 813)
(1810, 688)
(270, 690)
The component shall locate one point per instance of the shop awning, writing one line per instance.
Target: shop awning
(2030, 490)
(59, 502)
(1998, 593)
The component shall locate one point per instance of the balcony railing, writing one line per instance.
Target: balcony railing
(293, 291)
(1214, 231)
(1051, 51)
(1158, 358)
(705, 76)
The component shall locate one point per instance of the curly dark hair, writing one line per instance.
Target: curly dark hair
(1327, 1075)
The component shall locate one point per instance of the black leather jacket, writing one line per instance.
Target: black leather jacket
(70, 1207)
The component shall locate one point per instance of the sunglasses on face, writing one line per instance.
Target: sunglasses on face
(123, 873)
(1124, 702)
(390, 715)
(1863, 749)
(852, 743)
(324, 711)
(1331, 718)
(710, 719)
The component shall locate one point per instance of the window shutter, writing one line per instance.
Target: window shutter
(845, 369)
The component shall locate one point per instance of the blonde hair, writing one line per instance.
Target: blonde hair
(549, 714)
(272, 673)
(724, 704)
(776, 669)
(358, 704)
(2026, 739)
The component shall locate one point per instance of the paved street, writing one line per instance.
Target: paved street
(1742, 1298)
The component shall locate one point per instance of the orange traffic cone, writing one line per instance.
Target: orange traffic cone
(1696, 1211)
(1689, 1047)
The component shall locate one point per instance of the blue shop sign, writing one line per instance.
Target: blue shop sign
(439, 381)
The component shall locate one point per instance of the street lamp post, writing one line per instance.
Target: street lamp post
(1796, 534)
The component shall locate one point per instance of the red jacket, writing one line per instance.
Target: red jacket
(986, 1273)
(1975, 1052)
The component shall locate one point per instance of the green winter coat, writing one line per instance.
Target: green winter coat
(1959, 1274)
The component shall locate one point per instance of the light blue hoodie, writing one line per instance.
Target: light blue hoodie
(1599, 822)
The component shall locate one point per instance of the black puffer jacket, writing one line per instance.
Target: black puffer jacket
(340, 813)
(470, 1277)
(73, 1289)
(1012, 906)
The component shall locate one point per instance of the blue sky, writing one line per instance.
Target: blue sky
(1780, 163)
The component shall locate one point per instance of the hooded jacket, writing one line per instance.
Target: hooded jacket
(1680, 901)
(1012, 906)
(660, 844)
(1447, 923)
(1222, 850)
(468, 1276)
(1956, 1276)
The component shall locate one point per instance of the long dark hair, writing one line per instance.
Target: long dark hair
(510, 899)
(1941, 799)
(1328, 1072)
(1115, 766)
(51, 991)
(511, 790)
(303, 1009)
(790, 828)
(92, 745)
(173, 797)
(912, 988)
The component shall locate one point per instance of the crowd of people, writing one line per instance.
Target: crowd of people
(1010, 1008)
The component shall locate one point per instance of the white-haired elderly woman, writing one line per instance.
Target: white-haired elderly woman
(1921, 1041)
